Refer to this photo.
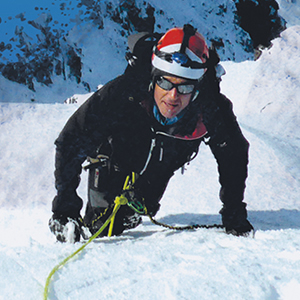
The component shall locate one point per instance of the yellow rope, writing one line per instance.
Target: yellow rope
(118, 202)
(122, 200)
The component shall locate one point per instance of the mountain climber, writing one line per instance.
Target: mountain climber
(150, 121)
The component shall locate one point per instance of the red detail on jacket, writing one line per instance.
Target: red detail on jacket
(199, 132)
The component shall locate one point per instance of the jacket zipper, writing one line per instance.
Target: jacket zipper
(153, 142)
(161, 153)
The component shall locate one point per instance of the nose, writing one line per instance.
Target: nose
(173, 93)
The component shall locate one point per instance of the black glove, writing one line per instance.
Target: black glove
(235, 220)
(66, 229)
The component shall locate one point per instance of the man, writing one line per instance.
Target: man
(128, 126)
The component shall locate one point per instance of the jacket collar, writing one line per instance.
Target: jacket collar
(167, 129)
(166, 121)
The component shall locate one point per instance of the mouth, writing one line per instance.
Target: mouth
(170, 105)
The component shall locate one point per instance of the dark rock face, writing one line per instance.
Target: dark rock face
(260, 19)
(53, 55)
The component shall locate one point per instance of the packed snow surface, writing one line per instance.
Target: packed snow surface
(151, 262)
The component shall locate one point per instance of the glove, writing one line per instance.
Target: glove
(66, 229)
(235, 220)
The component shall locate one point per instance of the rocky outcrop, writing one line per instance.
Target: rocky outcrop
(54, 55)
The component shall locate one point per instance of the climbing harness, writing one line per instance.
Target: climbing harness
(138, 207)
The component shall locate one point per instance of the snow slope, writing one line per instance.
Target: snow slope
(290, 11)
(150, 262)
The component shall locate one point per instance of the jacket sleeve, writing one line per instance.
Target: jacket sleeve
(86, 129)
(230, 148)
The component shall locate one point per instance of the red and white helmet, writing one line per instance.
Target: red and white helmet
(181, 52)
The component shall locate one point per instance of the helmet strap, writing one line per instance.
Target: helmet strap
(188, 31)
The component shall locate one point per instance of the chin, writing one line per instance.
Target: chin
(169, 116)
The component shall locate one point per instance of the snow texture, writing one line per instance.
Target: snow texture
(150, 262)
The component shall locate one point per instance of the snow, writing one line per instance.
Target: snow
(290, 11)
(151, 262)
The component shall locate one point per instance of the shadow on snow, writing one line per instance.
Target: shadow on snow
(261, 220)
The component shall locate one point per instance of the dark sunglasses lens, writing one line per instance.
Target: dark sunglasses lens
(185, 88)
(181, 88)
(164, 84)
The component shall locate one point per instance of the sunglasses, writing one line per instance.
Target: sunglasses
(182, 88)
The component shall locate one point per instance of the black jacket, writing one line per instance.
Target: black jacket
(120, 115)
